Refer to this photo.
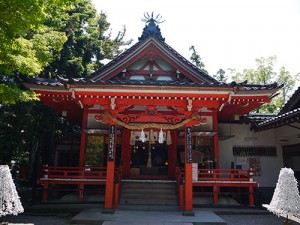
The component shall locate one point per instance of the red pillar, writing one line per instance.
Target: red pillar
(81, 193)
(45, 192)
(216, 190)
(188, 172)
(216, 140)
(83, 137)
(110, 171)
(172, 154)
(251, 195)
(126, 151)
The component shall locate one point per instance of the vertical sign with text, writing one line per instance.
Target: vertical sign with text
(188, 139)
(111, 147)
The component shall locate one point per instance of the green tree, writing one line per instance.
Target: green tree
(26, 45)
(89, 40)
(50, 38)
(220, 76)
(264, 74)
(26, 128)
(196, 59)
(288, 81)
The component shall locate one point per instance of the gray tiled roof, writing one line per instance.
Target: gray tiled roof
(279, 120)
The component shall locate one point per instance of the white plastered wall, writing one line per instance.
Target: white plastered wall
(288, 135)
(270, 166)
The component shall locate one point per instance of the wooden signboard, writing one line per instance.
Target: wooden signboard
(188, 140)
(111, 147)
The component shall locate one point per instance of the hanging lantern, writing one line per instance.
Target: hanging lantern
(161, 137)
(142, 137)
(151, 137)
(132, 138)
(169, 138)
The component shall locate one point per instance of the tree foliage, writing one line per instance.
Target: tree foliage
(26, 45)
(264, 73)
(27, 132)
(196, 59)
(61, 37)
(23, 35)
(89, 40)
(52, 37)
(11, 94)
(220, 76)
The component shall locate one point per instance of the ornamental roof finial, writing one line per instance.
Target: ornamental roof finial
(152, 28)
(150, 19)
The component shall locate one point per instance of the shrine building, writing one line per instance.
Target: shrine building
(151, 116)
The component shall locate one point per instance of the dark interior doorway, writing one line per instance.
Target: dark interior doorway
(291, 158)
(149, 159)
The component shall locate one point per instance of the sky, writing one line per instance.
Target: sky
(226, 33)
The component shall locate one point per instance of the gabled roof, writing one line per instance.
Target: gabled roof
(151, 39)
(196, 74)
(172, 73)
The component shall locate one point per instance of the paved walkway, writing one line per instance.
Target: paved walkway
(240, 217)
(230, 220)
(90, 216)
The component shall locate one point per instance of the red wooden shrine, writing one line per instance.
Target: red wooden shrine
(150, 99)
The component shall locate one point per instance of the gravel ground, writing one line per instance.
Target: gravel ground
(230, 219)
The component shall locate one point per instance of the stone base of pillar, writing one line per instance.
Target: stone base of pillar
(188, 213)
(108, 211)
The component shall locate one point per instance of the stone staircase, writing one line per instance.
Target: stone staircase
(148, 195)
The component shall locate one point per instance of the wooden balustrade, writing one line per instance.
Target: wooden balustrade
(81, 176)
(217, 178)
(86, 172)
(220, 174)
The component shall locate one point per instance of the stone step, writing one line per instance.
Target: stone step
(145, 201)
(148, 185)
(148, 196)
(149, 193)
(148, 207)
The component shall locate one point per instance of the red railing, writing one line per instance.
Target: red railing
(80, 176)
(85, 172)
(217, 178)
(220, 174)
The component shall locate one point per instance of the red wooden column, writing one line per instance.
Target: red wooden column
(251, 195)
(110, 171)
(216, 190)
(188, 207)
(126, 151)
(83, 137)
(172, 154)
(216, 139)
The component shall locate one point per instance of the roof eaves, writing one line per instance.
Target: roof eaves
(279, 120)
(43, 81)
